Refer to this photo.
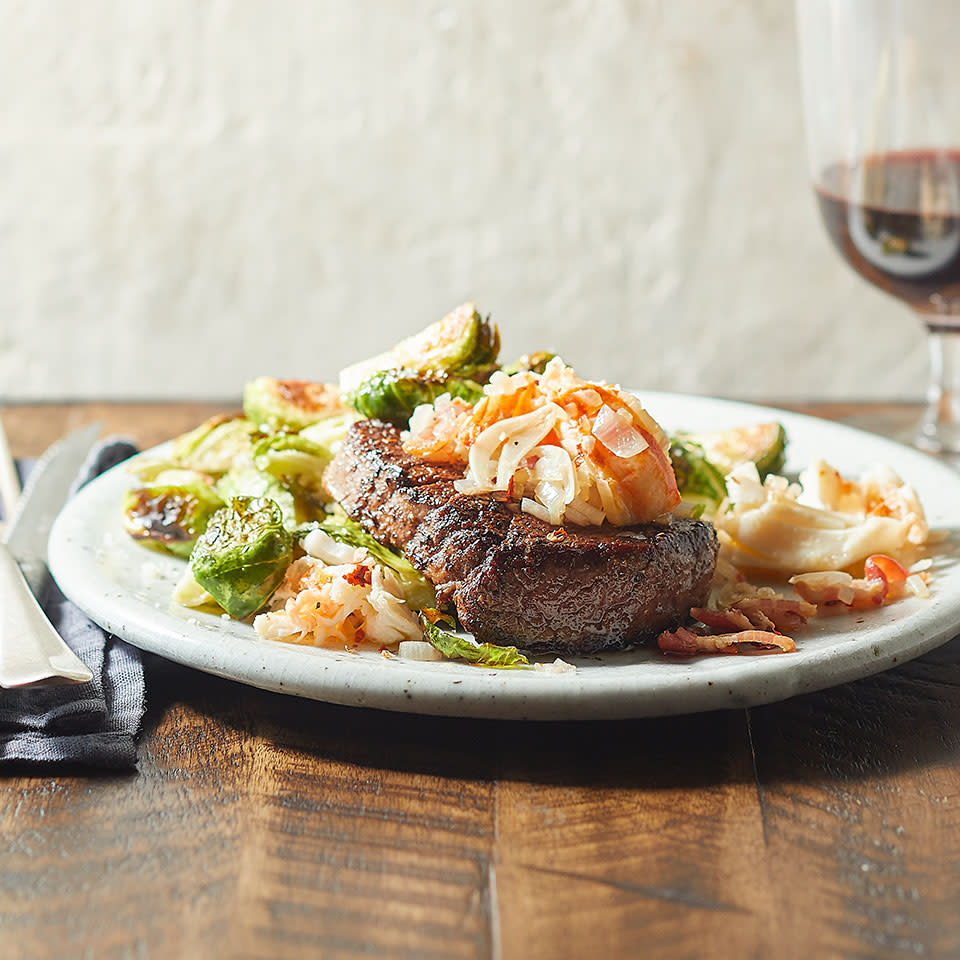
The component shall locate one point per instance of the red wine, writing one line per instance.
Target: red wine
(895, 218)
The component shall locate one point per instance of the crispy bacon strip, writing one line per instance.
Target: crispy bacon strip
(773, 614)
(728, 619)
(784, 614)
(688, 643)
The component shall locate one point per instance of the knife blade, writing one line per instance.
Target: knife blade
(31, 651)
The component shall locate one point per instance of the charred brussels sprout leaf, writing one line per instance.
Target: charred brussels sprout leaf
(462, 648)
(698, 479)
(392, 395)
(243, 555)
(289, 405)
(463, 344)
(168, 515)
(534, 362)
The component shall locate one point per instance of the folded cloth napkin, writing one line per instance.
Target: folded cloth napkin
(94, 724)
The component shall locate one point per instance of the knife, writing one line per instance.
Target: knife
(31, 651)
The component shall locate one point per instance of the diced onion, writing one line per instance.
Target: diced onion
(617, 434)
(917, 585)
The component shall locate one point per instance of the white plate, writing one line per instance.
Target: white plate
(126, 589)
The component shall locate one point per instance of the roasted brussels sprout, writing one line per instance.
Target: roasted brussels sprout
(535, 362)
(699, 481)
(247, 481)
(764, 444)
(298, 463)
(462, 343)
(170, 513)
(289, 405)
(392, 395)
(329, 433)
(216, 445)
(241, 558)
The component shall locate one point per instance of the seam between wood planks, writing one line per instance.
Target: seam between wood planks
(493, 902)
(761, 793)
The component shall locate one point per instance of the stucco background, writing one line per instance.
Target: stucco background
(196, 192)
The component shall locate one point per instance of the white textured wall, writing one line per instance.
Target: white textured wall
(195, 192)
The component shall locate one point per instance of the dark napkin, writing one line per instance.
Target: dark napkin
(94, 724)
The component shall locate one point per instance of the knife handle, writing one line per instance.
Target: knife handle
(31, 651)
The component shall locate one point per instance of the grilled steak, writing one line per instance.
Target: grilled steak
(512, 577)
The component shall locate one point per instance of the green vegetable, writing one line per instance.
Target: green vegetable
(462, 648)
(392, 395)
(216, 445)
(463, 344)
(330, 432)
(289, 405)
(764, 444)
(171, 512)
(418, 592)
(241, 558)
(247, 481)
(535, 362)
(189, 593)
(699, 481)
(296, 462)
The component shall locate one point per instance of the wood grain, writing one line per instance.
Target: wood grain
(264, 826)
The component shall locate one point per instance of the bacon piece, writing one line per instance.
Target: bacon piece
(688, 643)
(728, 619)
(775, 614)
(784, 614)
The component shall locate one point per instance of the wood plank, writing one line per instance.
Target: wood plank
(861, 798)
(642, 838)
(256, 825)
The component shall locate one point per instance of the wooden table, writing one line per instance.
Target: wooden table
(260, 825)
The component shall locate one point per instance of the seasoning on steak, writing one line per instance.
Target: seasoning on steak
(512, 577)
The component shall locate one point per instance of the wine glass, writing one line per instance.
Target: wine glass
(881, 94)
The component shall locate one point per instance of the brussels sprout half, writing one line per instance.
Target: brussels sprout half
(763, 444)
(699, 481)
(289, 405)
(242, 557)
(247, 481)
(169, 516)
(392, 395)
(296, 462)
(462, 343)
(216, 445)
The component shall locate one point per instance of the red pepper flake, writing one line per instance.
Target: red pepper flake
(359, 576)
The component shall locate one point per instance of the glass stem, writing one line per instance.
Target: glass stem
(940, 430)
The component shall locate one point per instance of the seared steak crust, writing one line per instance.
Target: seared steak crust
(513, 577)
